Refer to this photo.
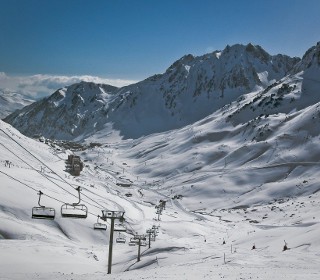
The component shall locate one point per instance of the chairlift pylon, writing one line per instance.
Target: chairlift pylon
(99, 226)
(42, 212)
(74, 210)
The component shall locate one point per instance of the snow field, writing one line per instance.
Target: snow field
(245, 195)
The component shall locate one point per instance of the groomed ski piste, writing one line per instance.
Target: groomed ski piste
(229, 213)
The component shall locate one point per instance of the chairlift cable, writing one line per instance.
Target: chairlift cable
(36, 170)
(36, 158)
(43, 176)
(131, 227)
(46, 176)
(52, 172)
(18, 181)
(51, 197)
(34, 189)
(93, 194)
(100, 206)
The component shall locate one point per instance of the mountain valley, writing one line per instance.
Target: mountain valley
(228, 139)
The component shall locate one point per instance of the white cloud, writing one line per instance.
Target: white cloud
(37, 86)
(2, 75)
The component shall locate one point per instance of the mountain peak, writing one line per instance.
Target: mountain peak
(192, 88)
(312, 55)
(180, 62)
(310, 60)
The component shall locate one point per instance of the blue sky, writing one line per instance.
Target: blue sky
(127, 39)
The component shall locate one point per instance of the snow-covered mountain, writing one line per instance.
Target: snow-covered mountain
(190, 89)
(222, 185)
(66, 113)
(246, 175)
(294, 92)
(11, 101)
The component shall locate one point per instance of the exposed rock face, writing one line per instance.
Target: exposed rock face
(190, 89)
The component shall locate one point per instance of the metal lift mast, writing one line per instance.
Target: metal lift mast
(112, 215)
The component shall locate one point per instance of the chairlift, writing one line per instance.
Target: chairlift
(143, 243)
(120, 228)
(155, 228)
(152, 238)
(121, 239)
(74, 210)
(132, 243)
(99, 226)
(42, 212)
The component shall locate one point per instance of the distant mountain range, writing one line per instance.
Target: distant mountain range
(11, 101)
(242, 82)
(241, 166)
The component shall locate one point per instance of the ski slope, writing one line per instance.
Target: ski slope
(244, 196)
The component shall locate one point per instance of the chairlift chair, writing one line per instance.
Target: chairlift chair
(152, 238)
(79, 211)
(74, 210)
(42, 212)
(156, 229)
(132, 239)
(120, 228)
(121, 239)
(133, 242)
(99, 226)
